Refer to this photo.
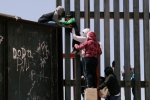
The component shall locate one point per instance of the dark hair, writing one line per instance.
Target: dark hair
(108, 70)
(68, 16)
(131, 68)
(113, 63)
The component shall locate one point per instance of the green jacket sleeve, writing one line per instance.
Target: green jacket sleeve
(67, 22)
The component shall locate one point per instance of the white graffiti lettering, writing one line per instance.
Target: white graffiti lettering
(42, 49)
(1, 39)
(21, 57)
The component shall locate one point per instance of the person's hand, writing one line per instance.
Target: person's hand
(70, 26)
(75, 45)
(122, 71)
(73, 30)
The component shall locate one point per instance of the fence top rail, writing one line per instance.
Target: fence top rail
(19, 19)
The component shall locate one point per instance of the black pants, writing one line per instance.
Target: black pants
(90, 70)
(82, 74)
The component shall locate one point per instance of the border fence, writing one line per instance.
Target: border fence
(32, 66)
(30, 61)
(131, 42)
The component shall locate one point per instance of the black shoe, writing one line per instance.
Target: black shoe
(75, 51)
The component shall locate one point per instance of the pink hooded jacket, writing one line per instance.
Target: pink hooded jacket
(91, 46)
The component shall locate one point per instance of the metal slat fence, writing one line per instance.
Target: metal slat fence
(131, 43)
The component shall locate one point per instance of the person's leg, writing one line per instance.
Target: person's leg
(83, 66)
(113, 97)
(94, 64)
(88, 76)
(82, 91)
(133, 92)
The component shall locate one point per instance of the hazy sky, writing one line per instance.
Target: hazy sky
(27, 9)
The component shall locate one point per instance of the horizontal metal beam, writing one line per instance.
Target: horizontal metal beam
(121, 15)
(72, 83)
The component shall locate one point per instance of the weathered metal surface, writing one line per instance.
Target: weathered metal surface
(136, 50)
(60, 63)
(86, 13)
(121, 15)
(30, 60)
(58, 3)
(2, 27)
(67, 54)
(77, 58)
(97, 19)
(107, 34)
(116, 39)
(146, 47)
(126, 16)
(127, 63)
(144, 84)
(97, 31)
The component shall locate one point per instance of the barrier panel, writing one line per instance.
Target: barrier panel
(29, 60)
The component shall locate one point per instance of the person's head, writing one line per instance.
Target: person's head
(60, 10)
(85, 31)
(108, 70)
(68, 17)
(113, 64)
(91, 35)
(132, 70)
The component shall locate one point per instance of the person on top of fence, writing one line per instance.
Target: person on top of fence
(112, 84)
(53, 18)
(70, 20)
(92, 52)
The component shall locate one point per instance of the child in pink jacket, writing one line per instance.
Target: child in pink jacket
(92, 52)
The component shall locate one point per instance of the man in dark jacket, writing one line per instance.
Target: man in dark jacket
(112, 84)
(53, 18)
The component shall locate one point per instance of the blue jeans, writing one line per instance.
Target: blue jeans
(113, 97)
(51, 23)
(83, 66)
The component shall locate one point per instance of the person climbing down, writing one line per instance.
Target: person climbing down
(92, 52)
(70, 20)
(53, 18)
(82, 39)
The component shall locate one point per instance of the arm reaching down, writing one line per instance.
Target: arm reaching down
(77, 38)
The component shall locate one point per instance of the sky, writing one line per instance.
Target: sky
(33, 9)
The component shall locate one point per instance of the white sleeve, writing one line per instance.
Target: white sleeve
(77, 38)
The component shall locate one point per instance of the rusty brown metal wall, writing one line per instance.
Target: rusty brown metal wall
(146, 47)
(29, 60)
(127, 50)
(2, 59)
(77, 60)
